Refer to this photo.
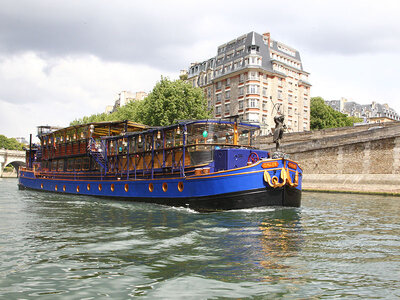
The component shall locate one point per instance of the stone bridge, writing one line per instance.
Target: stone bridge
(11, 157)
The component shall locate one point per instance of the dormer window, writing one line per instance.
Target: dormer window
(253, 49)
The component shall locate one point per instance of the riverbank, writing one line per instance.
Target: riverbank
(379, 184)
(359, 159)
(9, 175)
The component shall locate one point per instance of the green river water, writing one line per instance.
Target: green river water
(56, 246)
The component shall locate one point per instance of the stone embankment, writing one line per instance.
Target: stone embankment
(363, 159)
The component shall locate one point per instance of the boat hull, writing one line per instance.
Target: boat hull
(240, 188)
(285, 196)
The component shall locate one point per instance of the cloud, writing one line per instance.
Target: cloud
(61, 60)
(40, 90)
(160, 33)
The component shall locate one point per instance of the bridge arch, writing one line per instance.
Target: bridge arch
(11, 157)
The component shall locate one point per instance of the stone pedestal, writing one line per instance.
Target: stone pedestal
(279, 154)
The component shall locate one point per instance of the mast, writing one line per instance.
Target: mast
(30, 151)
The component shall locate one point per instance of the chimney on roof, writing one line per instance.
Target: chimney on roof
(267, 38)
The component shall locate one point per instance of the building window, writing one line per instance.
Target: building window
(227, 108)
(265, 103)
(264, 92)
(241, 91)
(219, 85)
(241, 104)
(253, 103)
(227, 95)
(218, 110)
(241, 77)
(209, 93)
(279, 94)
(252, 89)
(228, 82)
(264, 119)
(252, 75)
(218, 98)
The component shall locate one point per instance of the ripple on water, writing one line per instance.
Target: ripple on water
(68, 247)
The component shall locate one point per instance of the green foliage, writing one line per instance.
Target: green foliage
(323, 116)
(169, 102)
(10, 143)
(183, 77)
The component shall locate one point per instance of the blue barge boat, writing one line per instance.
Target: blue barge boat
(204, 165)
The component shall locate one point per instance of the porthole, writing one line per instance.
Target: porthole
(151, 187)
(64, 188)
(56, 187)
(112, 187)
(88, 186)
(126, 188)
(165, 186)
(100, 187)
(77, 189)
(180, 186)
(41, 185)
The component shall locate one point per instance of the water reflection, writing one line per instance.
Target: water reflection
(281, 238)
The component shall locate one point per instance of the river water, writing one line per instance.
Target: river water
(76, 247)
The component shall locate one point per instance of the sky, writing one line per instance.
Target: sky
(62, 60)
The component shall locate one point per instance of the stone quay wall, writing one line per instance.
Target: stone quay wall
(363, 159)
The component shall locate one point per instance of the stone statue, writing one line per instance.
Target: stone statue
(279, 129)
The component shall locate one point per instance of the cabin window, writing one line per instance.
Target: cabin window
(85, 163)
(132, 146)
(70, 164)
(149, 142)
(169, 138)
(158, 144)
(60, 165)
(45, 165)
(113, 147)
(178, 137)
(54, 165)
(78, 164)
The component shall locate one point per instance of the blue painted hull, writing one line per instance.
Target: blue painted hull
(233, 189)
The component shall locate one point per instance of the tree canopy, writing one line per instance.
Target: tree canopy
(171, 101)
(168, 102)
(323, 116)
(10, 143)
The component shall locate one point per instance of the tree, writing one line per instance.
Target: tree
(10, 143)
(323, 116)
(171, 101)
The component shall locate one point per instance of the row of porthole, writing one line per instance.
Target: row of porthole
(126, 187)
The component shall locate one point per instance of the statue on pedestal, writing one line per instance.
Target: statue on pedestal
(280, 127)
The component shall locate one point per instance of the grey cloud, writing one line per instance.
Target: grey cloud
(111, 30)
(159, 33)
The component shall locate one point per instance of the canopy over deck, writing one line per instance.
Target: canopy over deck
(100, 129)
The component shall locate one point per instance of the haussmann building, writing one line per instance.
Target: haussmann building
(256, 78)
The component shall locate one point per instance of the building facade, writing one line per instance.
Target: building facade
(123, 98)
(371, 113)
(256, 78)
